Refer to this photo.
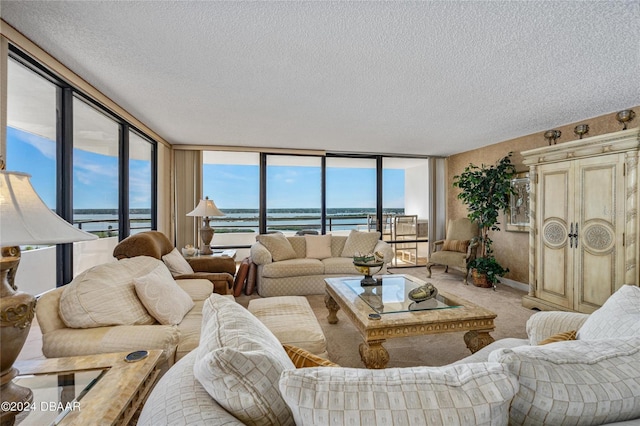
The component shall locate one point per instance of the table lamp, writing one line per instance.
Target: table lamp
(205, 209)
(24, 219)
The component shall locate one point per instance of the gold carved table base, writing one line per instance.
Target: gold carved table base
(375, 356)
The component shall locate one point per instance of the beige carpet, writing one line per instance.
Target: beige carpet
(343, 339)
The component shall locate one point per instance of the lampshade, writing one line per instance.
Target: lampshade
(205, 208)
(25, 218)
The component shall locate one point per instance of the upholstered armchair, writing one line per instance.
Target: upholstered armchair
(218, 270)
(457, 249)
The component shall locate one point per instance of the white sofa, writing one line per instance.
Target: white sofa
(297, 265)
(100, 311)
(240, 375)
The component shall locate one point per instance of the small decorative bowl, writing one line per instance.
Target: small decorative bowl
(189, 251)
(424, 292)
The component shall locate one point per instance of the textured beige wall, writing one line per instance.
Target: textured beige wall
(511, 248)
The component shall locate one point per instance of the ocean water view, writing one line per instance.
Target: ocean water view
(104, 222)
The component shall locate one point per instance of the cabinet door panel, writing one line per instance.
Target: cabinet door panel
(555, 266)
(600, 213)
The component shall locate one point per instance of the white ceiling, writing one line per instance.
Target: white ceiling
(429, 77)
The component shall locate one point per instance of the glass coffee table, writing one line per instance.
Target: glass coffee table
(385, 311)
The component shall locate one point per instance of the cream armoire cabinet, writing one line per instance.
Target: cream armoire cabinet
(584, 221)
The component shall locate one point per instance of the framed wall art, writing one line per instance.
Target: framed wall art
(518, 212)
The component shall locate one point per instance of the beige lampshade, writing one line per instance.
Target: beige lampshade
(26, 219)
(205, 208)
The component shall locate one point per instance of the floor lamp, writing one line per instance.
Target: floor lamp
(24, 220)
(206, 209)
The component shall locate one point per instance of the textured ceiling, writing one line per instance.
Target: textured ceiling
(388, 77)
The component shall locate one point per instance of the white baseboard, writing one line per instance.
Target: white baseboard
(515, 284)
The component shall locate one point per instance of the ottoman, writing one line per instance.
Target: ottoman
(292, 321)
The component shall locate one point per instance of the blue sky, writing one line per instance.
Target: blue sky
(95, 181)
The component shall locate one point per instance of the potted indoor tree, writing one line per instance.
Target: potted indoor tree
(485, 191)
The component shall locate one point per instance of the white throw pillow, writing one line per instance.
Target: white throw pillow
(162, 296)
(278, 245)
(104, 295)
(318, 246)
(239, 362)
(176, 263)
(618, 317)
(360, 242)
(585, 382)
(465, 394)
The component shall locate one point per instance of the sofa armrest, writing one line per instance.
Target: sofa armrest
(222, 281)
(48, 311)
(384, 248)
(121, 338)
(213, 264)
(259, 254)
(545, 324)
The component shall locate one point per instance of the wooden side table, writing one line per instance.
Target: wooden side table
(112, 397)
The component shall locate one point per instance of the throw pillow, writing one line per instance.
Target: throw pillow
(251, 279)
(241, 277)
(560, 337)
(465, 394)
(360, 242)
(576, 382)
(239, 362)
(302, 358)
(456, 245)
(318, 246)
(278, 245)
(176, 263)
(104, 295)
(163, 298)
(618, 317)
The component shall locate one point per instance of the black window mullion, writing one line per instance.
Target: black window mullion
(262, 225)
(323, 195)
(123, 183)
(64, 180)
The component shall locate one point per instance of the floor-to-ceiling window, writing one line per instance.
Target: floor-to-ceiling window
(141, 183)
(75, 150)
(232, 180)
(405, 201)
(366, 193)
(96, 144)
(31, 148)
(351, 194)
(293, 193)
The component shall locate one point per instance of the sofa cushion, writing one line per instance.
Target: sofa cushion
(360, 242)
(466, 394)
(575, 382)
(176, 263)
(239, 362)
(339, 266)
(163, 298)
(278, 245)
(618, 317)
(293, 268)
(105, 295)
(318, 246)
